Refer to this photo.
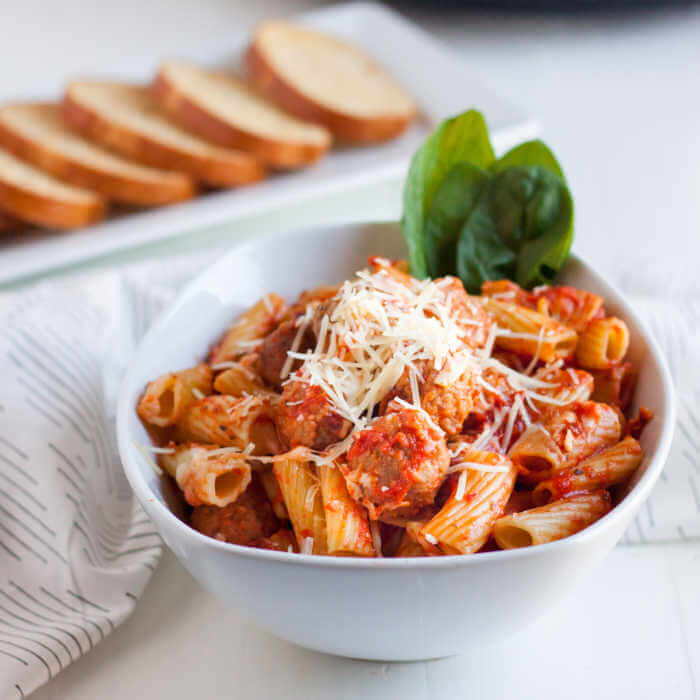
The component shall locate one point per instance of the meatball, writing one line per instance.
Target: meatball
(273, 351)
(306, 417)
(396, 465)
(447, 401)
(474, 320)
(248, 518)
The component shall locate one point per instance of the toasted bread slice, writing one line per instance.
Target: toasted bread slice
(8, 224)
(222, 108)
(325, 80)
(37, 133)
(38, 198)
(127, 119)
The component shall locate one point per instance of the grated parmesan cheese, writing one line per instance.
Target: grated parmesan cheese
(378, 328)
(461, 486)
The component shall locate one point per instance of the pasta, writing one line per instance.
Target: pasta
(565, 436)
(552, 522)
(302, 496)
(229, 422)
(466, 520)
(273, 492)
(167, 398)
(207, 474)
(248, 330)
(603, 343)
(527, 332)
(389, 416)
(238, 380)
(601, 470)
(409, 547)
(347, 525)
(614, 385)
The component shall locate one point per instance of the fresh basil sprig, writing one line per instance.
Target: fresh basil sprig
(467, 213)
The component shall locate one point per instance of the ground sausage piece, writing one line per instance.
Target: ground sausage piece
(248, 518)
(474, 320)
(448, 402)
(273, 351)
(396, 465)
(305, 417)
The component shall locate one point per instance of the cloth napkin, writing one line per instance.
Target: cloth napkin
(76, 550)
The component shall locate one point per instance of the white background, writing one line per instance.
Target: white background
(619, 99)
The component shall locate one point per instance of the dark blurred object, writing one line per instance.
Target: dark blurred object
(559, 6)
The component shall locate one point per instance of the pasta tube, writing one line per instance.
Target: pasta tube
(614, 385)
(601, 470)
(527, 332)
(302, 495)
(167, 398)
(250, 328)
(554, 521)
(409, 548)
(566, 436)
(230, 422)
(568, 305)
(273, 492)
(568, 385)
(603, 343)
(465, 521)
(347, 525)
(206, 474)
(238, 380)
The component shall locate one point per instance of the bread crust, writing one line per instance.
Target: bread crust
(276, 153)
(239, 169)
(346, 127)
(172, 187)
(51, 212)
(8, 223)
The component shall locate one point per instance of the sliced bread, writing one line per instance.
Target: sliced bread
(224, 109)
(38, 198)
(328, 81)
(37, 133)
(8, 224)
(127, 119)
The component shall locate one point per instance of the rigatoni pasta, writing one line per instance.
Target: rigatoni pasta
(167, 398)
(552, 522)
(389, 416)
(602, 470)
(301, 491)
(207, 474)
(479, 496)
(603, 343)
(347, 525)
(238, 380)
(248, 330)
(530, 333)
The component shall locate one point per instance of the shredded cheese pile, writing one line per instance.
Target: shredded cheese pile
(377, 328)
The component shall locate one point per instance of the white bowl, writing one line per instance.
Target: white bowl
(385, 609)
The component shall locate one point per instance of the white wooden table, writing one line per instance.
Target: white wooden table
(619, 101)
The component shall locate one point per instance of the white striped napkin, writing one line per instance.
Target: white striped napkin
(673, 510)
(75, 548)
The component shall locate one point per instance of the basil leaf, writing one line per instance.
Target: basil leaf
(462, 138)
(521, 228)
(452, 203)
(481, 253)
(530, 153)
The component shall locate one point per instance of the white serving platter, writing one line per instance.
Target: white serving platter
(439, 81)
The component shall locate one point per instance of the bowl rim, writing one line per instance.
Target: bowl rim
(149, 501)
